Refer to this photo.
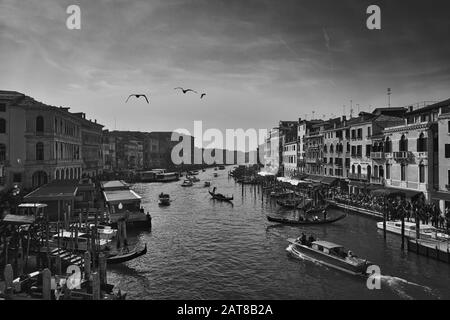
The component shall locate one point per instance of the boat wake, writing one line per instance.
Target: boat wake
(406, 289)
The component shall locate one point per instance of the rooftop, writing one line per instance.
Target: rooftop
(120, 195)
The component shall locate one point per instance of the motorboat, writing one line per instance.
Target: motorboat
(329, 254)
(164, 199)
(187, 183)
(192, 178)
(215, 175)
(221, 167)
(207, 184)
(426, 231)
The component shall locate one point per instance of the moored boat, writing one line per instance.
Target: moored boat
(207, 184)
(305, 221)
(329, 254)
(426, 231)
(119, 258)
(289, 203)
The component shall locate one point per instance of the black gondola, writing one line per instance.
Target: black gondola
(304, 222)
(219, 196)
(127, 256)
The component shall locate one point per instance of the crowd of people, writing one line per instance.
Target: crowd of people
(397, 207)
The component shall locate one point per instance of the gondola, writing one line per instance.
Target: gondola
(304, 222)
(219, 196)
(127, 256)
(289, 204)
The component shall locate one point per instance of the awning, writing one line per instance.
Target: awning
(18, 219)
(314, 178)
(56, 190)
(439, 195)
(411, 194)
(374, 187)
(329, 180)
(116, 196)
(358, 184)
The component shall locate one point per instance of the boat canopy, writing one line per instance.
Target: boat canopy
(326, 244)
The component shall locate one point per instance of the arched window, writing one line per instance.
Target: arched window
(359, 169)
(388, 171)
(421, 173)
(325, 149)
(403, 144)
(39, 124)
(388, 145)
(353, 168)
(2, 152)
(403, 172)
(39, 178)
(57, 177)
(2, 125)
(331, 148)
(71, 173)
(39, 151)
(422, 143)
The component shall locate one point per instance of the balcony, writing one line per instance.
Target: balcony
(402, 155)
(357, 176)
(356, 155)
(421, 155)
(377, 180)
(377, 155)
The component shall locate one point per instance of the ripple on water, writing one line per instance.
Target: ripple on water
(203, 249)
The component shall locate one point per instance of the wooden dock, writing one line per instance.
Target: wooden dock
(349, 208)
(438, 250)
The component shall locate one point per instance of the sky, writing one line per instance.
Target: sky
(259, 61)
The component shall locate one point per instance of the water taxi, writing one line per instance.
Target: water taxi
(221, 167)
(329, 254)
(164, 199)
(187, 183)
(426, 231)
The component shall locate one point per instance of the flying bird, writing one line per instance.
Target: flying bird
(137, 96)
(185, 90)
(202, 95)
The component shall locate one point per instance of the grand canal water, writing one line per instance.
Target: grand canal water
(203, 249)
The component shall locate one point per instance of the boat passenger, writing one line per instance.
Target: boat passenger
(311, 239)
(303, 239)
(349, 254)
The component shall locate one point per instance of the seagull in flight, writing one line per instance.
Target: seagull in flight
(185, 90)
(137, 96)
(203, 94)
